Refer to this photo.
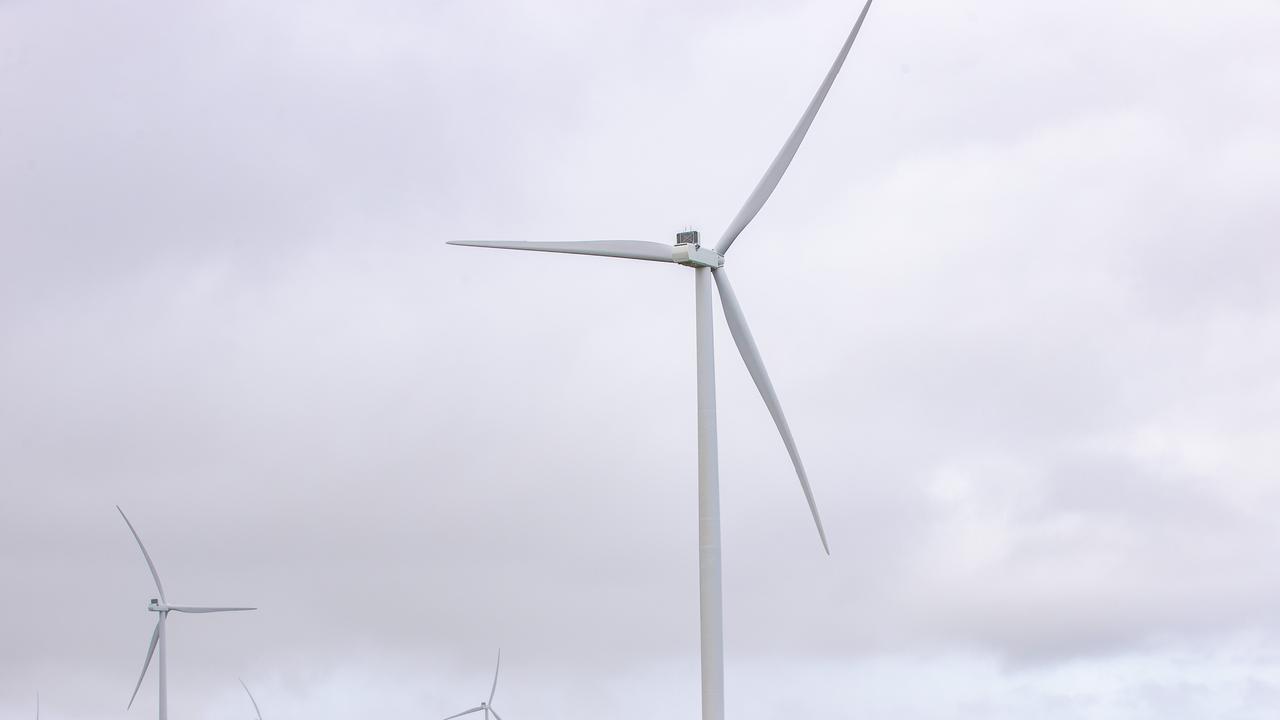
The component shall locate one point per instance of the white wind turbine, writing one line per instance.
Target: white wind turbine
(709, 265)
(162, 607)
(487, 706)
(256, 711)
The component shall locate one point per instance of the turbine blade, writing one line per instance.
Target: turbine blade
(191, 609)
(155, 638)
(145, 554)
(755, 365)
(494, 689)
(477, 708)
(495, 712)
(778, 168)
(630, 249)
(256, 711)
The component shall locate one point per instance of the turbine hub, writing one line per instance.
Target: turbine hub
(690, 253)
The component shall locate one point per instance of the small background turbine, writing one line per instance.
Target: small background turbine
(487, 706)
(257, 713)
(163, 608)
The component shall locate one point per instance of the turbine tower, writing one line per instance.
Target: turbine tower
(487, 706)
(708, 266)
(162, 608)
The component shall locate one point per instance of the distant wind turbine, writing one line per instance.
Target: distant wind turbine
(708, 265)
(486, 707)
(256, 711)
(163, 608)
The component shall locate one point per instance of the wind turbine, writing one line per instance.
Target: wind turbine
(708, 266)
(487, 706)
(162, 607)
(256, 711)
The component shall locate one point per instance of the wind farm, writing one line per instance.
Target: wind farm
(944, 386)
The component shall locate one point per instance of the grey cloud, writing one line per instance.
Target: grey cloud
(1014, 294)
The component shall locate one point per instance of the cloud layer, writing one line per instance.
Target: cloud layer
(1015, 292)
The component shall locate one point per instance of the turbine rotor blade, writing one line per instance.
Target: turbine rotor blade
(256, 711)
(477, 708)
(755, 366)
(630, 249)
(495, 712)
(155, 638)
(192, 609)
(145, 554)
(494, 689)
(778, 167)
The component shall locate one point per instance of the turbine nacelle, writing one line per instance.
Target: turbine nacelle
(690, 253)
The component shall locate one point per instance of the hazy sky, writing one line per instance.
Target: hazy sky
(1017, 293)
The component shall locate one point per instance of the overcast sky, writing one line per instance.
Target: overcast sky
(1017, 293)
